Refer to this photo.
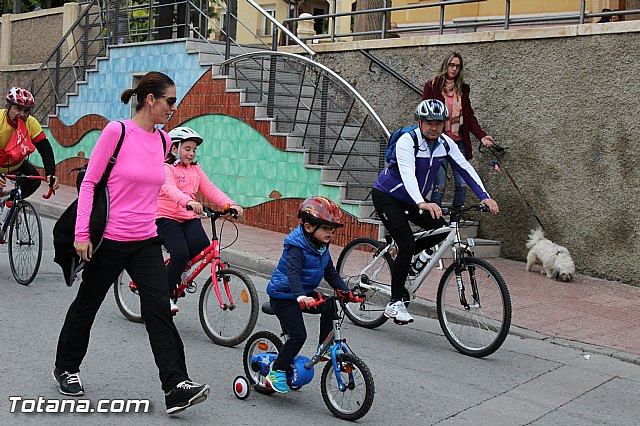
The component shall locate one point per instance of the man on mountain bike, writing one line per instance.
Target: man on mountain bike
(399, 194)
(15, 117)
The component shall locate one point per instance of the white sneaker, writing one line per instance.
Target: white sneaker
(398, 312)
(174, 307)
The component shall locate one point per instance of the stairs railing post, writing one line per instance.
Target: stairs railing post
(56, 80)
(324, 107)
(271, 94)
(150, 22)
(86, 28)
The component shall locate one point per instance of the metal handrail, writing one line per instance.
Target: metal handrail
(323, 68)
(391, 71)
(384, 10)
(440, 26)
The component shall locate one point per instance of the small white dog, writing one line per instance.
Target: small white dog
(554, 260)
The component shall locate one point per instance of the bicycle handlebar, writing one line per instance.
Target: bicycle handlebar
(215, 214)
(476, 207)
(44, 179)
(342, 295)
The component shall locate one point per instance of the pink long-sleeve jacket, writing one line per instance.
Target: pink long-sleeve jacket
(181, 184)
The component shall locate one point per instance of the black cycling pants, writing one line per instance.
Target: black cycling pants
(396, 221)
(290, 315)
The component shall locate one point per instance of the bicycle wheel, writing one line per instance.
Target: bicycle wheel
(127, 298)
(261, 342)
(358, 265)
(25, 243)
(356, 399)
(229, 325)
(481, 328)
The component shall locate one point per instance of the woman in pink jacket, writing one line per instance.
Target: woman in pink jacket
(180, 228)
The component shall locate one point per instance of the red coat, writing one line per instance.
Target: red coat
(469, 120)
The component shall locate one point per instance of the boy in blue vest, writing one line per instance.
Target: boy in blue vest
(304, 263)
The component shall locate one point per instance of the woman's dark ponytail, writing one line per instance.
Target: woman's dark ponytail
(126, 95)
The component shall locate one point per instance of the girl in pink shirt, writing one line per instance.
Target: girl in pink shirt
(181, 229)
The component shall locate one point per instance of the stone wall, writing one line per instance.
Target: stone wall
(28, 44)
(565, 102)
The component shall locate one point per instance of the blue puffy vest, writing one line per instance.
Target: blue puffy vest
(312, 268)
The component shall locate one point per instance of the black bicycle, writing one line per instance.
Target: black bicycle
(22, 230)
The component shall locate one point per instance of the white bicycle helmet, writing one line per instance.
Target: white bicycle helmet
(432, 109)
(181, 134)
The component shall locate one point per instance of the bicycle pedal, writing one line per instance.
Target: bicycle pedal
(402, 322)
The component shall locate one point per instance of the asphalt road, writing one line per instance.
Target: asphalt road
(420, 379)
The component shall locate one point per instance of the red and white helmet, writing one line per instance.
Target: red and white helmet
(20, 96)
(320, 211)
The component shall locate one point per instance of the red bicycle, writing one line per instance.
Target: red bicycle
(230, 316)
(22, 230)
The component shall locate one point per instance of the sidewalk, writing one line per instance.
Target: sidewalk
(595, 315)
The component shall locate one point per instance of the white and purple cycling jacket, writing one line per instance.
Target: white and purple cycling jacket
(409, 177)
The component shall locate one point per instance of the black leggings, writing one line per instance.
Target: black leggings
(290, 315)
(184, 240)
(396, 221)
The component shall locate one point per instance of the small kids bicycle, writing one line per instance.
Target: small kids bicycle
(227, 318)
(346, 384)
(22, 230)
(473, 302)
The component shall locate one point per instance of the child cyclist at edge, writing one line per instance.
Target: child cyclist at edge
(304, 263)
(181, 229)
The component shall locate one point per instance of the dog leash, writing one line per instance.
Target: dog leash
(499, 149)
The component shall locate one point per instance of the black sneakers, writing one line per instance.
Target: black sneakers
(68, 383)
(184, 395)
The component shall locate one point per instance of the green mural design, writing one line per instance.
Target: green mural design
(239, 161)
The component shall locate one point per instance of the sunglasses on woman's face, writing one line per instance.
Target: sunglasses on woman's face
(171, 100)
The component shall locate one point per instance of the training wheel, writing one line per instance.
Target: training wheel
(241, 388)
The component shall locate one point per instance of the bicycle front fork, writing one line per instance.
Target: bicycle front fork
(461, 288)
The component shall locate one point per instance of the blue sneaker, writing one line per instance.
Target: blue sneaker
(278, 380)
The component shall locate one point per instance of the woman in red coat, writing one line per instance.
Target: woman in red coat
(449, 87)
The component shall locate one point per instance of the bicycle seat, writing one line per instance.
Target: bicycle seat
(266, 308)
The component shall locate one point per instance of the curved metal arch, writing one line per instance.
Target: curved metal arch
(319, 66)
